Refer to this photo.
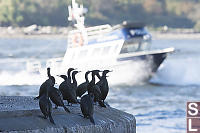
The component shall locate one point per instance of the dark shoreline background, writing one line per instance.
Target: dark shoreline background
(35, 31)
(154, 13)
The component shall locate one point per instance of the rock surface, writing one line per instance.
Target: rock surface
(22, 114)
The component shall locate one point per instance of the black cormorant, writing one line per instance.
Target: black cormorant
(93, 88)
(91, 84)
(68, 90)
(43, 87)
(66, 83)
(45, 105)
(103, 85)
(57, 98)
(69, 74)
(82, 88)
(74, 87)
(87, 106)
(64, 87)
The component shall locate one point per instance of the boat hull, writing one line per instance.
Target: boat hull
(156, 59)
(148, 61)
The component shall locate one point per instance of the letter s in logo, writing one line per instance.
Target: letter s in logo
(192, 109)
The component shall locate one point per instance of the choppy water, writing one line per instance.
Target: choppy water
(159, 106)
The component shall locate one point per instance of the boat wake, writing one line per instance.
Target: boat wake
(131, 73)
(126, 73)
(181, 72)
(20, 78)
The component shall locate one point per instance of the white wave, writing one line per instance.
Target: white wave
(184, 71)
(20, 78)
(124, 73)
(128, 73)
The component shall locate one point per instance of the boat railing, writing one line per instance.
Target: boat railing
(96, 30)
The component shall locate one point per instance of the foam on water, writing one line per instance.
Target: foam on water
(128, 73)
(181, 71)
(20, 78)
(123, 73)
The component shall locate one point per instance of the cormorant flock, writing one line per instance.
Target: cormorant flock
(69, 90)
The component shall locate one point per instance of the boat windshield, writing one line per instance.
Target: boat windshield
(136, 39)
(129, 47)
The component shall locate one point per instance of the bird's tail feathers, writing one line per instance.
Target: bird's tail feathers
(91, 119)
(66, 109)
(51, 119)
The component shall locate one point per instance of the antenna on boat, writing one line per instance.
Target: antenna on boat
(76, 14)
(77, 17)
